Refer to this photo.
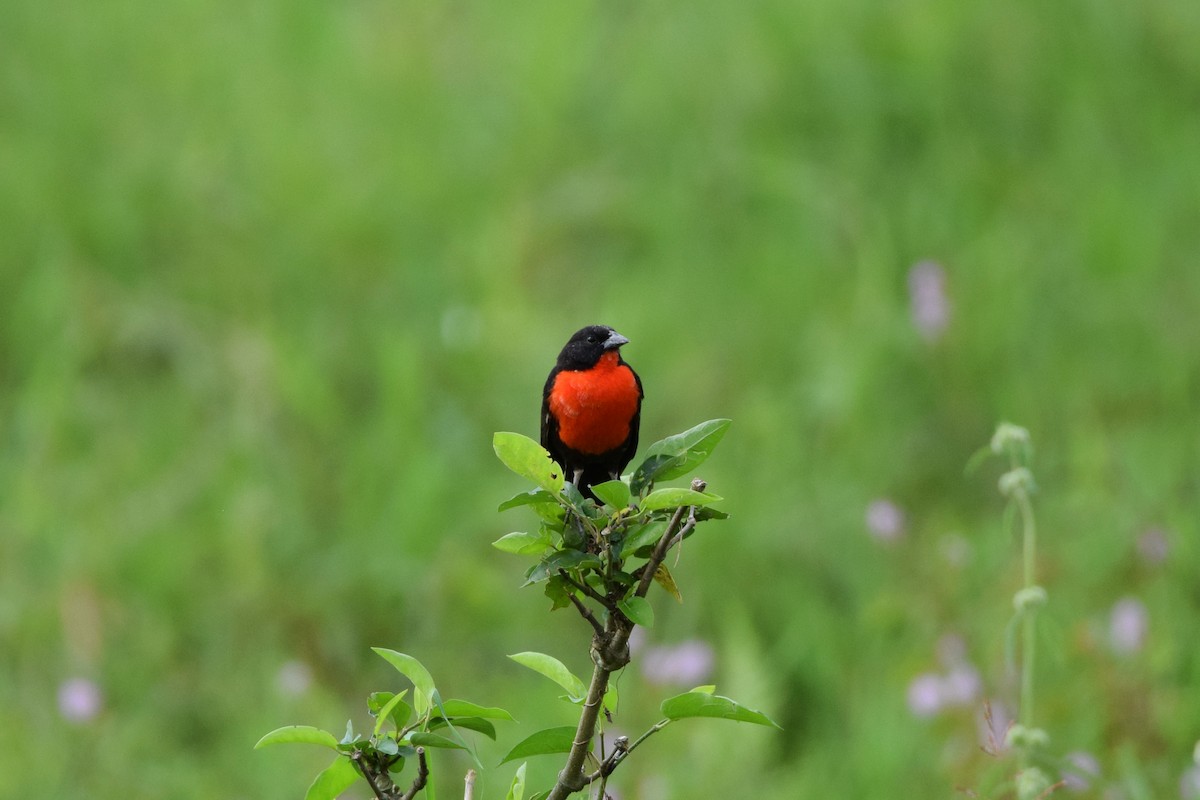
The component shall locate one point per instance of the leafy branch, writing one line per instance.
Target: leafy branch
(600, 557)
(402, 732)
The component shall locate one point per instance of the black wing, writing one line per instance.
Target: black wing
(550, 439)
(629, 449)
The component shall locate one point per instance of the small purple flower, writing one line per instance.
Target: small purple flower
(961, 686)
(1082, 768)
(1127, 625)
(1153, 546)
(885, 520)
(637, 640)
(294, 678)
(925, 695)
(929, 693)
(928, 304)
(686, 664)
(79, 700)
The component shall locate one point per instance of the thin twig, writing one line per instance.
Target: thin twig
(422, 775)
(469, 790)
(572, 777)
(1029, 640)
(599, 793)
(610, 653)
(357, 759)
(645, 573)
(686, 529)
(664, 544)
(588, 590)
(655, 728)
(621, 752)
(587, 614)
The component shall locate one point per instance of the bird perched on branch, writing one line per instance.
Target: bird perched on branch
(591, 408)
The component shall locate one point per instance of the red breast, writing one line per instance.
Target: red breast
(593, 407)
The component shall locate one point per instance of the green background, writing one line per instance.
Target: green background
(272, 273)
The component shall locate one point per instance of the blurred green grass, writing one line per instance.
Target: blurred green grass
(271, 275)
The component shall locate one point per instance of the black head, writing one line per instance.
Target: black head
(584, 349)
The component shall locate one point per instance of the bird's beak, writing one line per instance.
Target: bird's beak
(614, 341)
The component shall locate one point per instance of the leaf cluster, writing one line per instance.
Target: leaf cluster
(599, 555)
(401, 732)
(598, 549)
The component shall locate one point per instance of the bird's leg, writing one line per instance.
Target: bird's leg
(574, 523)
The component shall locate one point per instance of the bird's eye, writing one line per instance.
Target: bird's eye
(592, 339)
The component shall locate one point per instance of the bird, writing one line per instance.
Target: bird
(592, 408)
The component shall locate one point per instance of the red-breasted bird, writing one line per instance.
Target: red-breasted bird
(591, 408)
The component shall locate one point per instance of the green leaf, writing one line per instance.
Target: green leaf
(553, 517)
(551, 740)
(461, 708)
(385, 705)
(477, 724)
(674, 498)
(649, 470)
(574, 536)
(522, 543)
(424, 739)
(517, 790)
(577, 501)
(333, 780)
(703, 704)
(561, 559)
(533, 497)
(644, 535)
(557, 591)
(412, 669)
(528, 459)
(299, 733)
(639, 611)
(679, 454)
(611, 700)
(613, 493)
(663, 577)
(450, 724)
(377, 700)
(553, 669)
